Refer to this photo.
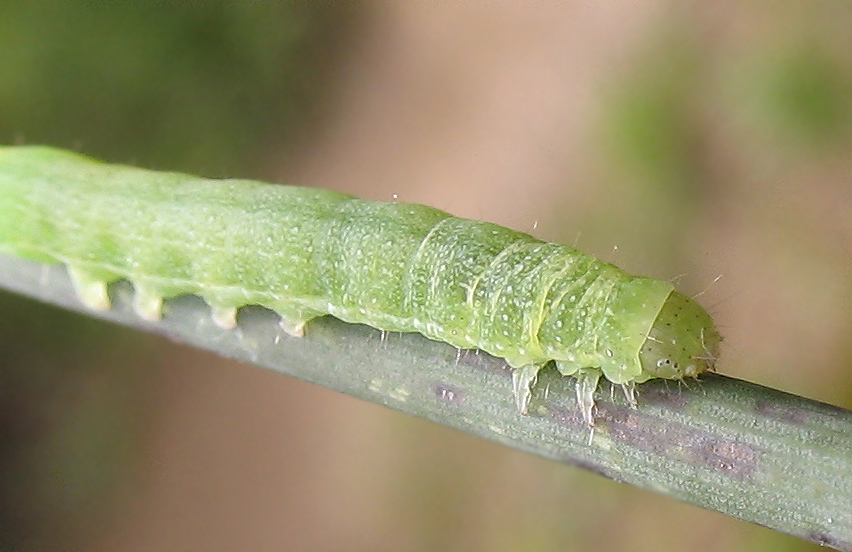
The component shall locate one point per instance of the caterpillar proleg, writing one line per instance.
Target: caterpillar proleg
(305, 252)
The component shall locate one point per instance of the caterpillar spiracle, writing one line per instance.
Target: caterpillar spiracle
(305, 252)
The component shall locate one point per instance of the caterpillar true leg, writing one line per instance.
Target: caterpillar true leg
(523, 378)
(587, 382)
(629, 390)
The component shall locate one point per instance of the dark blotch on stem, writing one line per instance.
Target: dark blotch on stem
(448, 394)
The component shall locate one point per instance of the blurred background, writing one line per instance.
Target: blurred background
(682, 140)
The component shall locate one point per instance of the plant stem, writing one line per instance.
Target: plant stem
(747, 451)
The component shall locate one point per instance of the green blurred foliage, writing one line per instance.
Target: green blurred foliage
(804, 97)
(208, 87)
(651, 135)
(651, 121)
(71, 415)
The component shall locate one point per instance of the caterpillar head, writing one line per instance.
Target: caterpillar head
(683, 341)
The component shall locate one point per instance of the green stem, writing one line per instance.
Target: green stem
(747, 451)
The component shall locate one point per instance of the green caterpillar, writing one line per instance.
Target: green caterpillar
(305, 252)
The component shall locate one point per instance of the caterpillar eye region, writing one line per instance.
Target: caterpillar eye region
(683, 341)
